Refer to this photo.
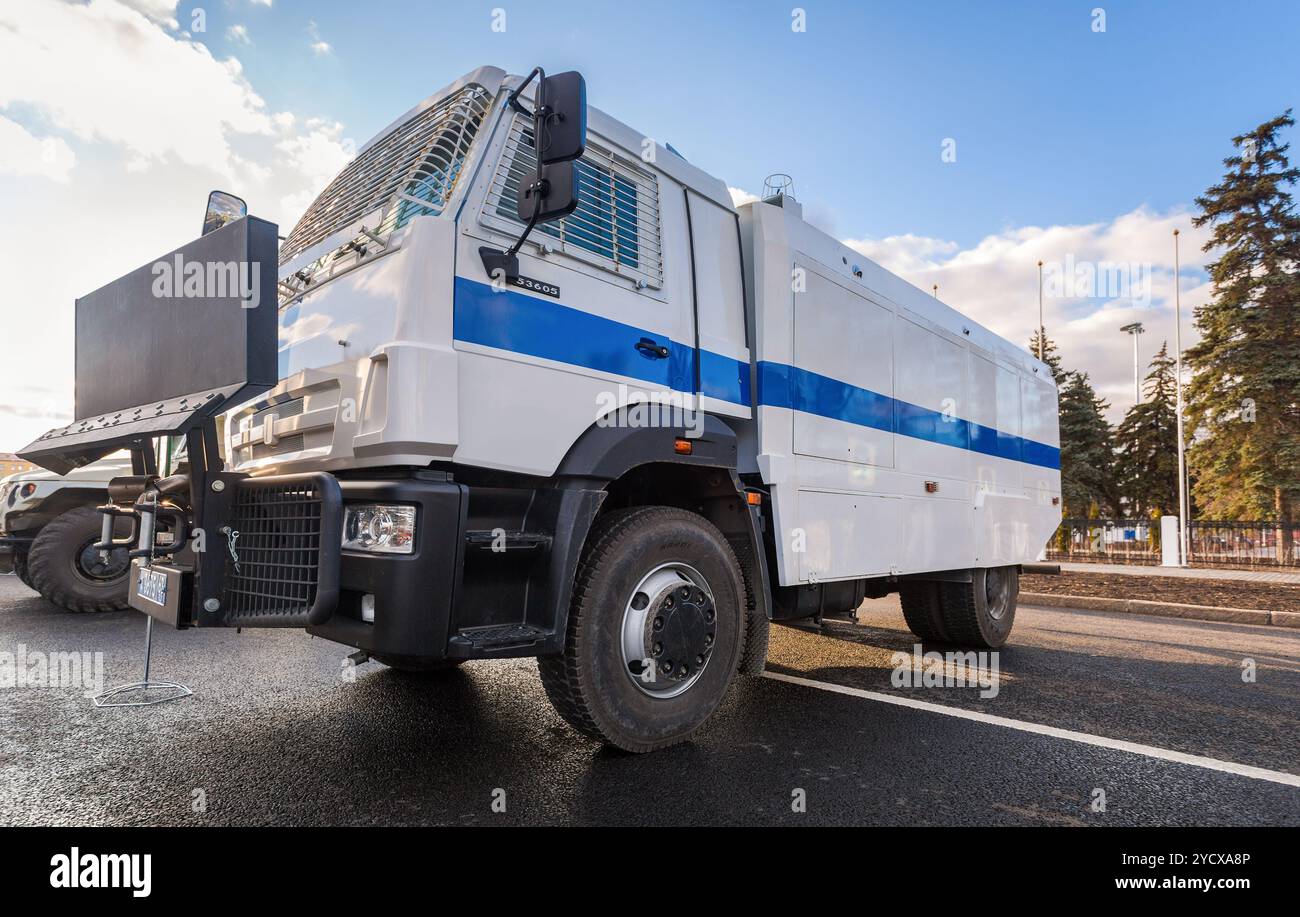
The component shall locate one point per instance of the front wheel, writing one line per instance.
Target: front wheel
(67, 571)
(655, 630)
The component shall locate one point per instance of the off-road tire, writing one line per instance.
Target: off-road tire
(588, 684)
(54, 570)
(21, 569)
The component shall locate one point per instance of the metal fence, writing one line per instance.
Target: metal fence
(1213, 543)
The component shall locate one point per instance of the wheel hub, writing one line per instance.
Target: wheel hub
(996, 596)
(669, 627)
(91, 566)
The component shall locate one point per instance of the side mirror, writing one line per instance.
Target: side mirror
(551, 194)
(223, 208)
(562, 117)
(550, 191)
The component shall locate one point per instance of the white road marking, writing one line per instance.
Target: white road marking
(1135, 748)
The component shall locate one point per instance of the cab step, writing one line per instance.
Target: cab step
(497, 639)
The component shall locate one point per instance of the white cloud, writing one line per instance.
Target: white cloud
(96, 72)
(21, 153)
(135, 124)
(318, 154)
(740, 196)
(238, 34)
(262, 3)
(319, 46)
(163, 11)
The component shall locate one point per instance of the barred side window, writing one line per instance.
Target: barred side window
(617, 218)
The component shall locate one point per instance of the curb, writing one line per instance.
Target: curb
(1289, 619)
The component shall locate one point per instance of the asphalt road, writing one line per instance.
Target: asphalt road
(275, 734)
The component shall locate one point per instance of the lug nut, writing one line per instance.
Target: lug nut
(658, 650)
(666, 666)
(659, 623)
(708, 639)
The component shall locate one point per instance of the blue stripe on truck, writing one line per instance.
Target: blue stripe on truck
(538, 327)
(783, 386)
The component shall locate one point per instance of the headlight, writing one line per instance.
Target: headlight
(380, 528)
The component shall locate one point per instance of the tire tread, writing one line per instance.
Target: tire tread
(563, 676)
(923, 610)
(46, 574)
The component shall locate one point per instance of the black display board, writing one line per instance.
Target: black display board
(171, 343)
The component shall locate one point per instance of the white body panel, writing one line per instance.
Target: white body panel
(886, 420)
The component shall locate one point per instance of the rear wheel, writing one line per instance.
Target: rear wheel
(923, 609)
(981, 613)
(67, 571)
(655, 630)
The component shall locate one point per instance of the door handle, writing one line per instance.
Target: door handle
(650, 349)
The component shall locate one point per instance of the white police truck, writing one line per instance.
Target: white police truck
(536, 387)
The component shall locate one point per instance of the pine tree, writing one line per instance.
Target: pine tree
(1051, 356)
(1146, 461)
(1087, 452)
(1245, 388)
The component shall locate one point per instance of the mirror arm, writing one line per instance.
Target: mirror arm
(513, 101)
(523, 237)
(507, 262)
(493, 259)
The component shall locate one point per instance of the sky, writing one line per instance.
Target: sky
(955, 143)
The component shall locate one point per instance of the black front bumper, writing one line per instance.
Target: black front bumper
(414, 594)
(489, 576)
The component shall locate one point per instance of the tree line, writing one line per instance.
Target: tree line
(1242, 390)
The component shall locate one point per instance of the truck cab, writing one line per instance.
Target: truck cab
(384, 294)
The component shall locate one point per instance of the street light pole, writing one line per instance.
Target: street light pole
(1042, 332)
(1134, 329)
(1183, 506)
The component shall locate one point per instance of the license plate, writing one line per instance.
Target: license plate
(152, 585)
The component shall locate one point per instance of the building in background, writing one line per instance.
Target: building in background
(12, 464)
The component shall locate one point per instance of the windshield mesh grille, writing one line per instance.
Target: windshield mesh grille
(410, 172)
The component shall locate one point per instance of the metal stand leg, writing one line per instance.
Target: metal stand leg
(113, 697)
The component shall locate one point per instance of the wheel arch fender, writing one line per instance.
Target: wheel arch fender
(634, 465)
